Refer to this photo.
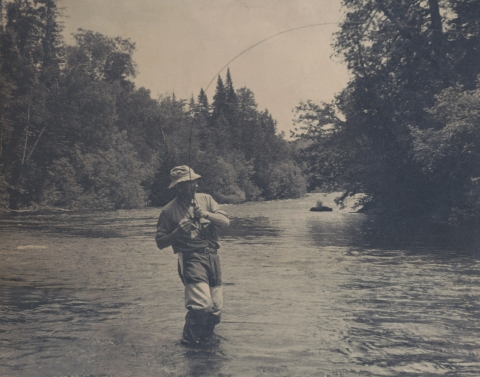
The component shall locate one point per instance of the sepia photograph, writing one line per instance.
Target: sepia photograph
(239, 188)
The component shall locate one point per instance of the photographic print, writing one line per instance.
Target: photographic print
(239, 188)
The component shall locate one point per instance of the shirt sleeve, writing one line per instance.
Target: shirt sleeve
(163, 229)
(214, 207)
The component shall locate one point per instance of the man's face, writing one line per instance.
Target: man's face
(187, 189)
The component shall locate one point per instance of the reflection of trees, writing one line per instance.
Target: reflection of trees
(376, 232)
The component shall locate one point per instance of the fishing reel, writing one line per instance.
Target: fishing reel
(197, 222)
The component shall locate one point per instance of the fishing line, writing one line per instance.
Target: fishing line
(273, 36)
(266, 39)
(308, 26)
(194, 202)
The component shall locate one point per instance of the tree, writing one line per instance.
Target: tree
(231, 112)
(401, 54)
(76, 133)
(30, 44)
(106, 179)
(463, 41)
(285, 180)
(103, 58)
(202, 118)
(219, 99)
(449, 155)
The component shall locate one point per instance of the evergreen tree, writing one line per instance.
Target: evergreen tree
(230, 97)
(203, 106)
(202, 119)
(231, 113)
(219, 126)
(219, 100)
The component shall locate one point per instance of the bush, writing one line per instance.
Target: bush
(106, 179)
(285, 181)
(448, 156)
(220, 179)
(227, 179)
(62, 188)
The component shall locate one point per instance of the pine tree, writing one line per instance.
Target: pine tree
(203, 106)
(231, 97)
(219, 99)
(218, 126)
(202, 118)
(231, 113)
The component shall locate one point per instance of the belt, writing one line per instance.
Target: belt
(208, 250)
(202, 250)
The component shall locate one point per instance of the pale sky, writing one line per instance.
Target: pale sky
(182, 44)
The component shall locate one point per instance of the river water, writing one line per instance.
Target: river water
(306, 294)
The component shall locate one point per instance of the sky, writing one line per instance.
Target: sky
(182, 45)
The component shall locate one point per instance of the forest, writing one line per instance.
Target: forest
(75, 132)
(405, 132)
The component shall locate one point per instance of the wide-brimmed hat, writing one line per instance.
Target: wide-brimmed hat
(182, 173)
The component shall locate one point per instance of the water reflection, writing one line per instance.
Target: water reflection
(403, 314)
(375, 232)
(258, 229)
(307, 294)
(205, 362)
(90, 224)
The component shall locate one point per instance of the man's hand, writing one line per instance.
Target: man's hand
(199, 213)
(186, 225)
(215, 218)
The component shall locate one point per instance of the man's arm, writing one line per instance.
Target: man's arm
(165, 239)
(216, 218)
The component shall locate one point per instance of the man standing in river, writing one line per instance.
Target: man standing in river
(188, 224)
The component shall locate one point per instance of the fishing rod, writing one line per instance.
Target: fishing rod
(193, 202)
(367, 22)
(270, 37)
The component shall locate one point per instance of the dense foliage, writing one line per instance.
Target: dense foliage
(405, 131)
(75, 132)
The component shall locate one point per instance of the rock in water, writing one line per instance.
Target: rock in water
(321, 209)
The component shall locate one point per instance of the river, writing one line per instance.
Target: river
(306, 294)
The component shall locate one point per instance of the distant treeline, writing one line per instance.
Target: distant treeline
(406, 130)
(75, 132)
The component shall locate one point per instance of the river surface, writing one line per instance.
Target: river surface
(306, 294)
